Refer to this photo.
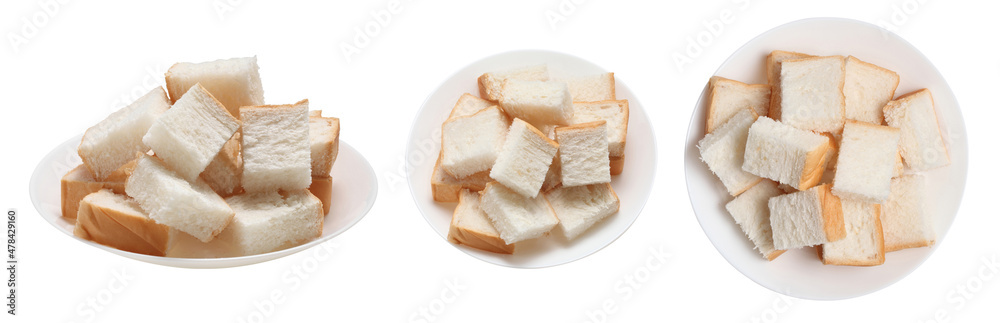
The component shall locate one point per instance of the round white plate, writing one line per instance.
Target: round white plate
(632, 186)
(354, 190)
(799, 273)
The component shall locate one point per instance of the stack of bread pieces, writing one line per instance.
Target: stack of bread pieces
(204, 158)
(825, 154)
(529, 155)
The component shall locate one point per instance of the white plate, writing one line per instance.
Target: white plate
(798, 272)
(633, 185)
(354, 189)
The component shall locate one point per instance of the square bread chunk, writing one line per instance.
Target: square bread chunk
(864, 244)
(537, 102)
(117, 221)
(906, 219)
(276, 153)
(866, 162)
(806, 218)
(729, 97)
(471, 144)
(773, 66)
(723, 151)
(468, 105)
(272, 221)
(446, 188)
(471, 226)
(77, 184)
(812, 93)
(750, 212)
(615, 113)
(235, 82)
(491, 83)
(920, 140)
(115, 140)
(324, 144)
(583, 154)
(581, 207)
(786, 154)
(524, 159)
(596, 87)
(516, 217)
(867, 88)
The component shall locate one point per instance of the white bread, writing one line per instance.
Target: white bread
(235, 82)
(191, 207)
(468, 105)
(538, 102)
(115, 140)
(516, 217)
(920, 140)
(806, 218)
(116, 221)
(596, 87)
(728, 97)
(583, 154)
(471, 226)
(785, 154)
(906, 220)
(225, 171)
(864, 244)
(78, 183)
(524, 159)
(276, 153)
(866, 162)
(472, 143)
(723, 151)
(324, 144)
(272, 221)
(812, 93)
(553, 178)
(189, 135)
(491, 83)
(867, 88)
(773, 66)
(750, 212)
(580, 207)
(446, 188)
(614, 112)
(322, 188)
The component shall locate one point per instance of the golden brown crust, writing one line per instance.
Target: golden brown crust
(774, 254)
(122, 231)
(322, 188)
(580, 126)
(614, 96)
(815, 166)
(773, 67)
(476, 239)
(617, 165)
(880, 246)
(833, 214)
(77, 184)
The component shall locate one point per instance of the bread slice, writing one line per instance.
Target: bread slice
(920, 140)
(272, 221)
(864, 244)
(773, 66)
(468, 105)
(324, 144)
(785, 154)
(806, 218)
(812, 93)
(471, 144)
(116, 221)
(906, 219)
(115, 140)
(583, 154)
(538, 102)
(581, 207)
(596, 87)
(516, 217)
(723, 151)
(750, 212)
(225, 171)
(728, 97)
(276, 152)
(614, 112)
(471, 226)
(524, 159)
(78, 183)
(189, 135)
(235, 82)
(867, 88)
(446, 188)
(322, 188)
(191, 207)
(866, 162)
(491, 83)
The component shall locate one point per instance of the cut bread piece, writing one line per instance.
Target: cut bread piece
(322, 188)
(468, 105)
(524, 159)
(491, 83)
(272, 221)
(77, 184)
(223, 174)
(581, 207)
(583, 154)
(867, 88)
(538, 102)
(773, 66)
(906, 219)
(615, 113)
(116, 221)
(864, 244)
(324, 144)
(729, 97)
(471, 144)
(866, 162)
(920, 140)
(516, 217)
(235, 82)
(446, 188)
(191, 207)
(189, 135)
(785, 154)
(750, 212)
(597, 87)
(276, 152)
(471, 226)
(723, 151)
(115, 140)
(812, 93)
(806, 218)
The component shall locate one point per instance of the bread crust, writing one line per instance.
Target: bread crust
(77, 184)
(614, 96)
(710, 119)
(879, 243)
(119, 230)
(772, 64)
(443, 191)
(833, 214)
(815, 166)
(476, 239)
(322, 188)
(617, 165)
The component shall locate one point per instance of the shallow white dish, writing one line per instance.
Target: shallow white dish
(799, 273)
(632, 186)
(354, 190)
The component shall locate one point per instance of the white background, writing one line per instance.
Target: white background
(86, 56)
